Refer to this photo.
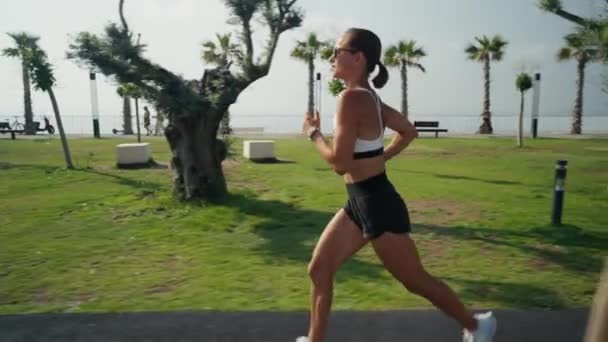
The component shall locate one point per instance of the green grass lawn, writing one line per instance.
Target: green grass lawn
(102, 239)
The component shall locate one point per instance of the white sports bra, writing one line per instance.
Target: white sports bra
(363, 147)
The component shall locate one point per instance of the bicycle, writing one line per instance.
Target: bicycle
(16, 125)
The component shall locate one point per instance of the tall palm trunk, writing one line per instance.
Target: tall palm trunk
(137, 120)
(486, 116)
(404, 109)
(64, 140)
(311, 87)
(27, 100)
(577, 112)
(127, 126)
(520, 132)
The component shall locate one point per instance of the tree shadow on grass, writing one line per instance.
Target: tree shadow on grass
(136, 184)
(567, 246)
(489, 181)
(290, 233)
(271, 161)
(44, 168)
(507, 293)
(466, 178)
(127, 181)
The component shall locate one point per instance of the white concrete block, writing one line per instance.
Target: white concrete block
(258, 149)
(133, 153)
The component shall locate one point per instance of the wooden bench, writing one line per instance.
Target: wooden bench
(247, 130)
(6, 128)
(430, 126)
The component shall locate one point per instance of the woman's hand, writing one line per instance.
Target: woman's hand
(311, 121)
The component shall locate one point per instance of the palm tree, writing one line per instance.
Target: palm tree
(402, 55)
(577, 49)
(595, 30)
(308, 51)
(523, 83)
(128, 91)
(220, 53)
(23, 43)
(44, 79)
(336, 86)
(127, 127)
(487, 50)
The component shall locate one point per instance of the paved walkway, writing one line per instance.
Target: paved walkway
(384, 326)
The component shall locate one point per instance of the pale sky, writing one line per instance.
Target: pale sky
(453, 85)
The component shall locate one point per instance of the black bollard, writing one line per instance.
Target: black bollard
(559, 191)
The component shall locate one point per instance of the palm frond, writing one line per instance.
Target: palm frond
(299, 53)
(209, 45)
(550, 5)
(483, 41)
(498, 55)
(24, 39)
(312, 41)
(390, 56)
(419, 66)
(410, 47)
(419, 52)
(575, 40)
(311, 48)
(498, 43)
(327, 50)
(523, 82)
(473, 52)
(10, 52)
(402, 47)
(564, 54)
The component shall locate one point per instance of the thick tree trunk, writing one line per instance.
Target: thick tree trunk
(127, 119)
(27, 101)
(311, 87)
(577, 112)
(64, 140)
(225, 128)
(520, 132)
(197, 158)
(486, 116)
(404, 109)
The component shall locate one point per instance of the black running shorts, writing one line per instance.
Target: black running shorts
(376, 207)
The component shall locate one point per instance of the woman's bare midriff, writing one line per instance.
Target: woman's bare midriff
(364, 168)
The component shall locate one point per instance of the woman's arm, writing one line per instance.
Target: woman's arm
(406, 132)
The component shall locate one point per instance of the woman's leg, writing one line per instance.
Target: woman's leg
(597, 326)
(339, 241)
(399, 255)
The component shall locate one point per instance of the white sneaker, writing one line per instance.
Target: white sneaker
(486, 328)
(302, 339)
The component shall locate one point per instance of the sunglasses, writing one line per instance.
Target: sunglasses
(337, 51)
